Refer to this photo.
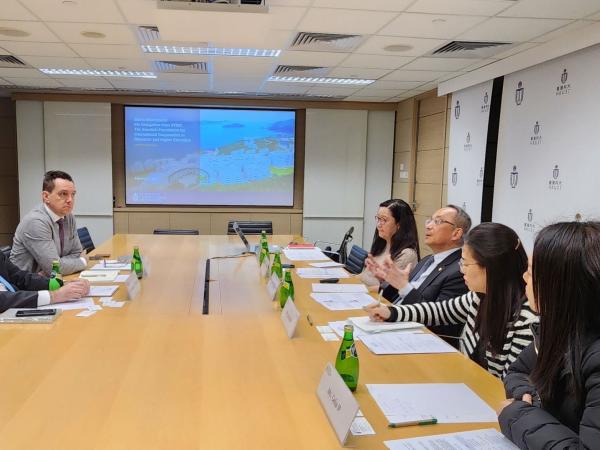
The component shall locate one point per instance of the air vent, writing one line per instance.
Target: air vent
(148, 34)
(198, 67)
(249, 6)
(11, 61)
(326, 42)
(301, 71)
(471, 49)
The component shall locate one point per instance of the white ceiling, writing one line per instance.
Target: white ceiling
(54, 40)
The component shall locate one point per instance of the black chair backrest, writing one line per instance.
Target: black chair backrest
(356, 259)
(251, 226)
(177, 232)
(6, 250)
(85, 239)
(343, 250)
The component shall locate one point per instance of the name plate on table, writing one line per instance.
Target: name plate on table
(273, 285)
(265, 268)
(338, 402)
(147, 265)
(289, 317)
(133, 286)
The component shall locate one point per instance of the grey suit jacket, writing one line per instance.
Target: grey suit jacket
(36, 244)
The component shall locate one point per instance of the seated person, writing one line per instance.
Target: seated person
(494, 314)
(22, 289)
(48, 232)
(395, 237)
(554, 385)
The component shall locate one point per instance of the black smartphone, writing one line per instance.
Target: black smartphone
(288, 266)
(329, 280)
(35, 312)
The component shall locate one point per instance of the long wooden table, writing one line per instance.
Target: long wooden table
(158, 374)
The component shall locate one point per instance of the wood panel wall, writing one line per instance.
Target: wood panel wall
(9, 179)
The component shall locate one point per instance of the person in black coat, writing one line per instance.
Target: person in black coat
(22, 289)
(554, 385)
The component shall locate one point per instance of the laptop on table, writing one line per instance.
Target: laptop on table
(250, 248)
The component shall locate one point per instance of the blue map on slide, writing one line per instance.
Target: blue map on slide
(209, 156)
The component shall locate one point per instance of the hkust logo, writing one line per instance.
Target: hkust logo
(519, 93)
(457, 110)
(468, 146)
(479, 181)
(563, 88)
(536, 139)
(454, 177)
(514, 177)
(485, 107)
(554, 183)
(529, 226)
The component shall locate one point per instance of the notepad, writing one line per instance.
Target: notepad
(309, 272)
(342, 301)
(488, 439)
(370, 326)
(103, 291)
(313, 254)
(405, 343)
(99, 276)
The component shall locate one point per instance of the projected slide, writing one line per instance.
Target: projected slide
(193, 156)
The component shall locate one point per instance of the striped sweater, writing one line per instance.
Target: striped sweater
(463, 310)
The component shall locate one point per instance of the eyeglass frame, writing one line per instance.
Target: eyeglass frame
(438, 221)
(383, 220)
(461, 263)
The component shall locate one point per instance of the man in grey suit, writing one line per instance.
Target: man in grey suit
(48, 232)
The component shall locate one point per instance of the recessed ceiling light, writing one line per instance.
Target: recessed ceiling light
(211, 51)
(322, 80)
(99, 73)
(397, 48)
(93, 34)
(13, 32)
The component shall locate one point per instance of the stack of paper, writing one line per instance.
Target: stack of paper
(366, 324)
(338, 328)
(309, 272)
(488, 439)
(330, 287)
(399, 343)
(342, 301)
(111, 264)
(309, 254)
(83, 303)
(103, 291)
(99, 276)
(327, 264)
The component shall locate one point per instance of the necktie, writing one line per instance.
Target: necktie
(422, 270)
(61, 234)
(6, 284)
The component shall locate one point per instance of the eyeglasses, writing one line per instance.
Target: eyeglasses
(383, 220)
(437, 221)
(461, 263)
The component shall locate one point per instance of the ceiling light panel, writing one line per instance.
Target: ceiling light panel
(323, 80)
(211, 51)
(98, 73)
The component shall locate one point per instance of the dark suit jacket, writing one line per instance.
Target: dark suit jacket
(26, 285)
(444, 282)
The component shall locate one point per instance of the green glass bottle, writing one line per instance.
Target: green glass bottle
(287, 288)
(55, 276)
(136, 262)
(346, 362)
(264, 247)
(276, 267)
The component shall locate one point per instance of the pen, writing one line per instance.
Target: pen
(379, 293)
(431, 421)
(309, 320)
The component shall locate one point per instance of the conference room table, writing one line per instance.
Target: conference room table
(159, 374)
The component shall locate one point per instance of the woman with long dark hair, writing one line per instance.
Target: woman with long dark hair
(395, 236)
(494, 312)
(554, 385)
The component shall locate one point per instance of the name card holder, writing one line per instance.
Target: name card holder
(273, 285)
(133, 286)
(289, 317)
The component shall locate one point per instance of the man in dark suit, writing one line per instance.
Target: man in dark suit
(436, 277)
(22, 289)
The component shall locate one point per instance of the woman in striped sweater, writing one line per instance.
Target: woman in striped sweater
(495, 312)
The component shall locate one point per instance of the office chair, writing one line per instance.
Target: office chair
(177, 232)
(341, 255)
(6, 250)
(251, 226)
(356, 259)
(85, 239)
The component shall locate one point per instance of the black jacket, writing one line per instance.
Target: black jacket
(571, 424)
(26, 285)
(444, 282)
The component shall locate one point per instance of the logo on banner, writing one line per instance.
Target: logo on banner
(529, 226)
(536, 139)
(454, 177)
(464, 206)
(457, 110)
(519, 93)
(563, 88)
(468, 146)
(514, 177)
(479, 181)
(555, 184)
(485, 107)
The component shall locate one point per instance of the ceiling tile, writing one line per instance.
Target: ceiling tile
(397, 85)
(284, 88)
(85, 83)
(430, 25)
(290, 2)
(77, 11)
(299, 58)
(139, 12)
(439, 64)
(5, 82)
(285, 18)
(107, 51)
(11, 72)
(143, 65)
(333, 90)
(243, 66)
(466, 7)
(516, 49)
(477, 65)
(354, 72)
(512, 29)
(236, 84)
(35, 82)
(136, 83)
(360, 98)
(414, 75)
(573, 26)
(324, 20)
(38, 32)
(374, 61)
(21, 48)
(371, 5)
(11, 9)
(552, 9)
(385, 93)
(375, 45)
(185, 81)
(52, 62)
(115, 34)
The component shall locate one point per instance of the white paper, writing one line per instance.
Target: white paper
(361, 427)
(83, 303)
(327, 264)
(86, 313)
(447, 402)
(112, 304)
(121, 278)
(339, 287)
(304, 254)
(338, 328)
(95, 308)
(111, 265)
(102, 291)
(370, 326)
(342, 301)
(99, 276)
(330, 337)
(405, 343)
(309, 272)
(324, 329)
(488, 439)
